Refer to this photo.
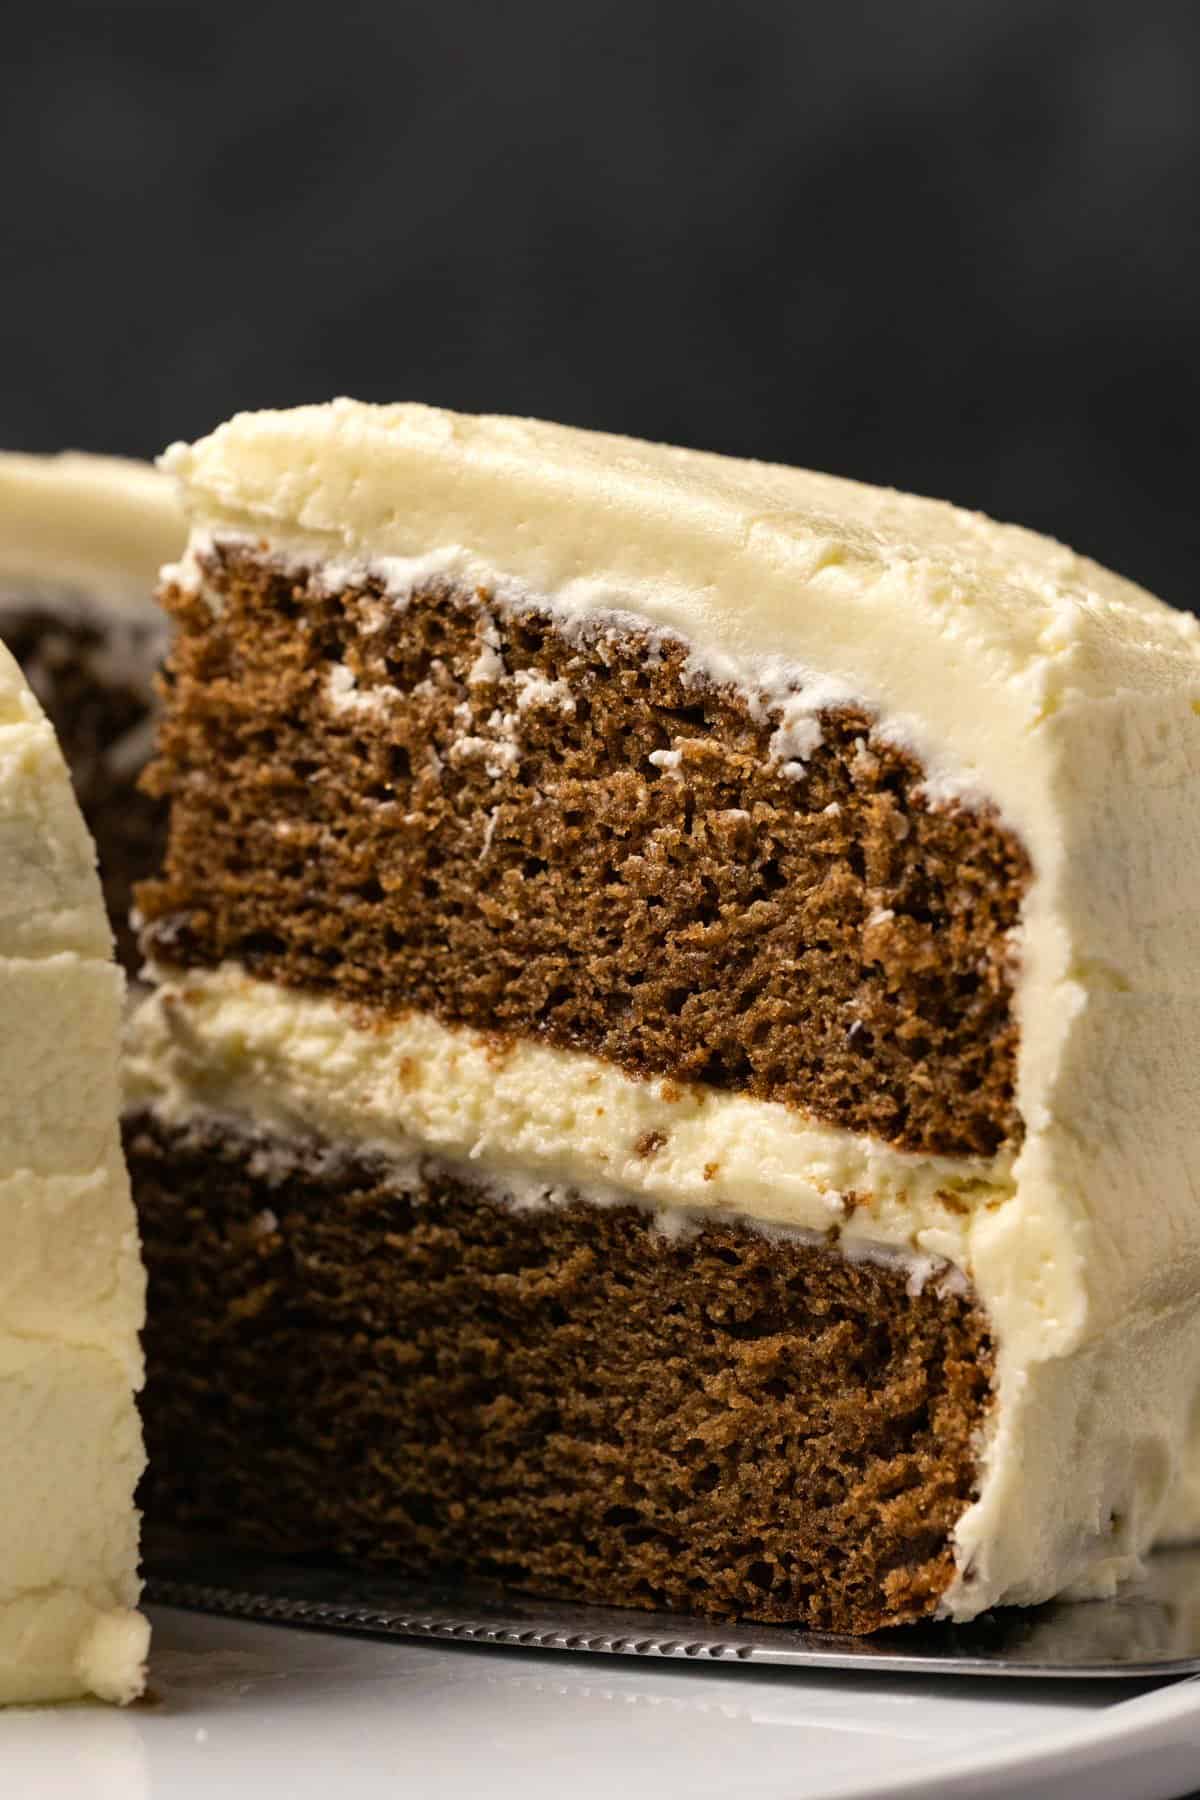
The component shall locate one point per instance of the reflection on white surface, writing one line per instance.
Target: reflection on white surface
(242, 1709)
(82, 1752)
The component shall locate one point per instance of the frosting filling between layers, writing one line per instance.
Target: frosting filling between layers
(222, 1041)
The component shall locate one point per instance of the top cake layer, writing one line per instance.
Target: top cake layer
(446, 806)
(919, 607)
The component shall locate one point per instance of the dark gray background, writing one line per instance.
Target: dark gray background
(948, 244)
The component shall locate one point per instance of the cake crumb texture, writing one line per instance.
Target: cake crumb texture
(393, 1364)
(576, 836)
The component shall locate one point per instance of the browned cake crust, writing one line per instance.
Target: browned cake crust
(510, 858)
(346, 1357)
(92, 713)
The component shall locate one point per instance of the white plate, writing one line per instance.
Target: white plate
(261, 1712)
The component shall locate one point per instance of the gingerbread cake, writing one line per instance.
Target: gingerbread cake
(672, 1079)
(82, 539)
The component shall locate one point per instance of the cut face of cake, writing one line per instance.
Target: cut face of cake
(673, 1074)
(71, 1285)
(81, 541)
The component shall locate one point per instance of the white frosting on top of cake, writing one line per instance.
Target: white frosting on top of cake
(1022, 675)
(71, 1285)
(103, 525)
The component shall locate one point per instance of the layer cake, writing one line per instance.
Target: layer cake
(672, 1073)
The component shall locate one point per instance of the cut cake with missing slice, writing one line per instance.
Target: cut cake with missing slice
(672, 1079)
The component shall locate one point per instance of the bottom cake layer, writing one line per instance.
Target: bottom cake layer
(410, 1363)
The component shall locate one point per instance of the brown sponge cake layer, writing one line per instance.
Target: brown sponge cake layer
(569, 833)
(389, 1363)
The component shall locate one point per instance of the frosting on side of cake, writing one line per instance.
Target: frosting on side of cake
(1021, 675)
(71, 1285)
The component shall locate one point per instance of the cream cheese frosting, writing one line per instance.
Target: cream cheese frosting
(222, 1041)
(100, 524)
(83, 538)
(71, 1284)
(1022, 675)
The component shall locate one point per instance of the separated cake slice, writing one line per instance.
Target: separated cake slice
(673, 1079)
(82, 539)
(71, 1285)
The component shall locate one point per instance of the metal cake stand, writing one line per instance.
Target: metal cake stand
(1151, 1630)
